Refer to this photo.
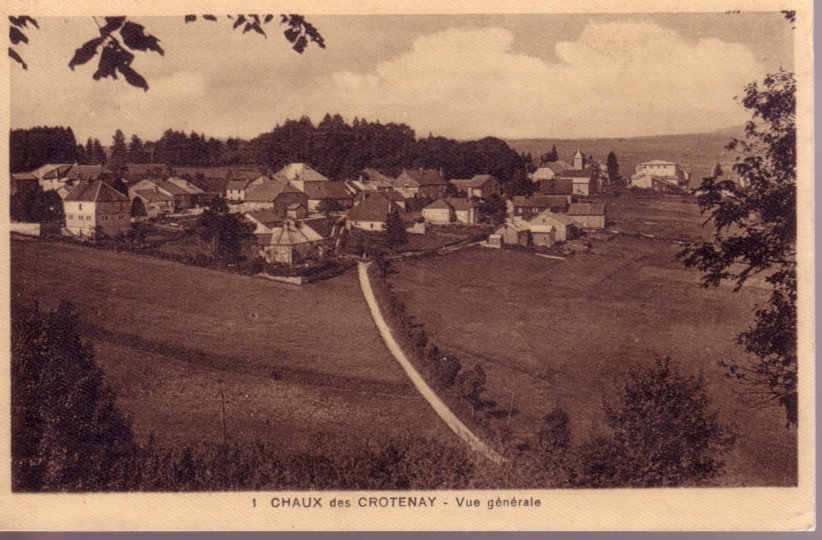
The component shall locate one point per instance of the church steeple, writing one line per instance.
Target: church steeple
(579, 161)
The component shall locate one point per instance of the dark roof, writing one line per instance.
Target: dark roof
(556, 186)
(237, 184)
(371, 209)
(395, 196)
(302, 172)
(586, 172)
(334, 190)
(586, 209)
(377, 177)
(270, 190)
(324, 226)
(425, 177)
(149, 195)
(541, 201)
(477, 181)
(95, 192)
(439, 204)
(224, 173)
(459, 203)
(266, 217)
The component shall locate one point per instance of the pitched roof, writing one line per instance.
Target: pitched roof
(268, 191)
(586, 172)
(425, 177)
(145, 168)
(237, 185)
(586, 209)
(477, 181)
(517, 224)
(371, 209)
(553, 217)
(169, 187)
(264, 217)
(657, 162)
(439, 204)
(578, 154)
(301, 172)
(291, 233)
(95, 192)
(376, 177)
(149, 195)
(540, 201)
(459, 203)
(186, 186)
(556, 166)
(543, 173)
(334, 190)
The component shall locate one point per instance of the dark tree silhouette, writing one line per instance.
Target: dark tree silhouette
(755, 233)
(395, 233)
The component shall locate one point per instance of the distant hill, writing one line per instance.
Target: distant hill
(697, 153)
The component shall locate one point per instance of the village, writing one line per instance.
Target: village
(299, 216)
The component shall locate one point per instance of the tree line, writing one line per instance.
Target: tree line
(338, 149)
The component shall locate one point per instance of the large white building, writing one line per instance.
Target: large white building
(96, 208)
(658, 174)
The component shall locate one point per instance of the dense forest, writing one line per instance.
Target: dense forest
(334, 147)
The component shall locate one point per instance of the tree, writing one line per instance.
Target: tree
(552, 156)
(664, 433)
(520, 184)
(395, 233)
(755, 233)
(119, 152)
(67, 434)
(493, 210)
(224, 230)
(120, 186)
(471, 384)
(717, 171)
(120, 38)
(136, 152)
(613, 168)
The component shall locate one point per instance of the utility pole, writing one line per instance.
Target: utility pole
(222, 400)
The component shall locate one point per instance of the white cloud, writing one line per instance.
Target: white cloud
(615, 79)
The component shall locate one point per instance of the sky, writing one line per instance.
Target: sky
(459, 76)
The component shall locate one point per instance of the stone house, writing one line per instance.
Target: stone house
(96, 207)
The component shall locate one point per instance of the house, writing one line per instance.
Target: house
(183, 199)
(666, 174)
(151, 202)
(236, 190)
(372, 180)
(96, 207)
(421, 183)
(542, 173)
(542, 234)
(54, 176)
(465, 210)
(215, 179)
(196, 195)
(371, 212)
(515, 231)
(565, 228)
(583, 181)
(588, 215)
(305, 178)
(556, 186)
(528, 207)
(336, 193)
(274, 194)
(480, 186)
(394, 196)
(291, 242)
(438, 212)
(23, 183)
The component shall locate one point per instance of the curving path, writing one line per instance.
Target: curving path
(430, 396)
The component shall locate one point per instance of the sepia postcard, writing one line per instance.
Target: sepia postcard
(408, 265)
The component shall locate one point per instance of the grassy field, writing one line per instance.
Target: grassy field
(290, 362)
(563, 333)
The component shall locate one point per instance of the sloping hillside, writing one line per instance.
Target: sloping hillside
(697, 153)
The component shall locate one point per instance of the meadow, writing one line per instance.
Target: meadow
(563, 333)
(290, 363)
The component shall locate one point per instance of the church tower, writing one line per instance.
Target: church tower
(579, 161)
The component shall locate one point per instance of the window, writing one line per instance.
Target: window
(80, 206)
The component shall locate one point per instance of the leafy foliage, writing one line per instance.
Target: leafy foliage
(68, 434)
(395, 233)
(226, 231)
(664, 433)
(613, 168)
(17, 36)
(755, 233)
